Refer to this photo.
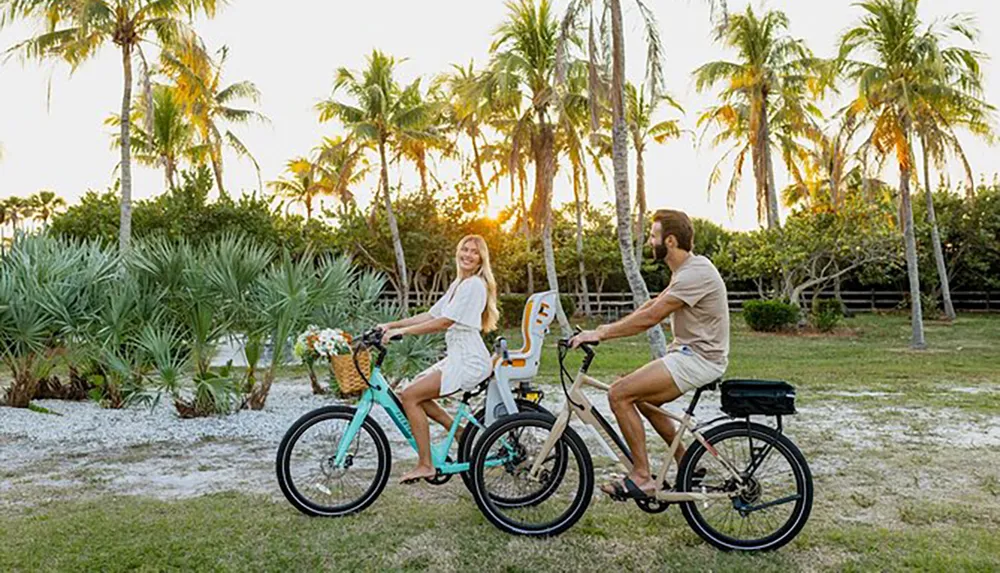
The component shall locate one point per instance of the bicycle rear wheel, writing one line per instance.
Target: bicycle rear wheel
(771, 508)
(310, 480)
(514, 502)
(467, 444)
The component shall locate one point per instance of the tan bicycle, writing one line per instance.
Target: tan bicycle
(742, 485)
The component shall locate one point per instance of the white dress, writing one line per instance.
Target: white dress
(467, 361)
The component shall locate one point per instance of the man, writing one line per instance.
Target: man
(696, 302)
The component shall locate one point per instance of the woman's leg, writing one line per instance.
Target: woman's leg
(437, 413)
(424, 389)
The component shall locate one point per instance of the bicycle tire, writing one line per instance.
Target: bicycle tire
(286, 448)
(570, 440)
(800, 470)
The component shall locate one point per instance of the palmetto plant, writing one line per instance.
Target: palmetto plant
(74, 31)
(287, 296)
(196, 317)
(48, 289)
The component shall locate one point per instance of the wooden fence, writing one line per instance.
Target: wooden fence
(616, 304)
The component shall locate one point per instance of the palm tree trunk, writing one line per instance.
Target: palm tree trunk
(640, 294)
(397, 243)
(942, 270)
(771, 191)
(125, 220)
(526, 230)
(579, 241)
(640, 205)
(217, 169)
(478, 165)
(545, 172)
(912, 270)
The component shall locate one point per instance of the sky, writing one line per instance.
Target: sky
(57, 140)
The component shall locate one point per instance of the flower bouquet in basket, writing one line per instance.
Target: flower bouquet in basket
(332, 347)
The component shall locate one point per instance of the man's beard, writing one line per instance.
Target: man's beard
(660, 252)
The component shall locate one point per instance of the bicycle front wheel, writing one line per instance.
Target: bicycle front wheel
(310, 479)
(770, 507)
(517, 503)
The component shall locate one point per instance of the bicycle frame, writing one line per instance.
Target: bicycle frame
(578, 404)
(379, 393)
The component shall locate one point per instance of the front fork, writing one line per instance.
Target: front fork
(361, 412)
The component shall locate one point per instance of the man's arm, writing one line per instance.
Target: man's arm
(646, 316)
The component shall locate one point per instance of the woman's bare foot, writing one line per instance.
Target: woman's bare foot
(418, 473)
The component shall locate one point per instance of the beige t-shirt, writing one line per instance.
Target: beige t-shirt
(703, 322)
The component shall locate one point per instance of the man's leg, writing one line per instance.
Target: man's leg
(663, 424)
(653, 384)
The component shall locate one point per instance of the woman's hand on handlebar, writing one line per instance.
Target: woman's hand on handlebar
(585, 337)
(391, 334)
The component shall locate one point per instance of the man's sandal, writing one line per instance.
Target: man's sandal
(625, 490)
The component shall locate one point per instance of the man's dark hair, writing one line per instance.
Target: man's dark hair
(678, 224)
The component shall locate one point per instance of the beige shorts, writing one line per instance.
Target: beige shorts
(689, 370)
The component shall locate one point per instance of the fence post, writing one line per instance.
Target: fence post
(873, 300)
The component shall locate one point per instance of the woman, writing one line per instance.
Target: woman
(468, 308)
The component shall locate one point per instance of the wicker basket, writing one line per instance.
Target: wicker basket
(348, 379)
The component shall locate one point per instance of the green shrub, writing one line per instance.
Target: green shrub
(931, 306)
(769, 315)
(568, 304)
(511, 307)
(826, 314)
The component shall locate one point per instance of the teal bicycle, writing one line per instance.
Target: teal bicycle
(336, 460)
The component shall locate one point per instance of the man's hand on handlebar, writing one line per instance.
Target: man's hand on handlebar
(585, 337)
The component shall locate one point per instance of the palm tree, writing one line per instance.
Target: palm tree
(75, 31)
(416, 145)
(771, 74)
(383, 114)
(17, 210)
(954, 103)
(342, 165)
(468, 111)
(823, 170)
(573, 137)
(164, 139)
(209, 104)
(44, 204)
(509, 157)
(523, 73)
(639, 111)
(906, 72)
(607, 59)
(303, 185)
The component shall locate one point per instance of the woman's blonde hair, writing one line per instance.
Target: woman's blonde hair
(490, 315)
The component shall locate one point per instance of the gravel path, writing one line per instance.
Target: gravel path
(153, 452)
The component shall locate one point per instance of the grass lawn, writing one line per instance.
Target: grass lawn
(895, 488)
